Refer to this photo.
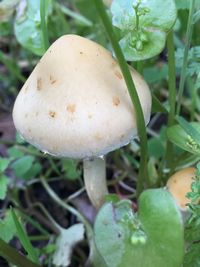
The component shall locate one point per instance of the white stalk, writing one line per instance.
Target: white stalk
(94, 172)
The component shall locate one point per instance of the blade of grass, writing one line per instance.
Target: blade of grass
(32, 255)
(172, 96)
(143, 173)
(185, 57)
(44, 24)
(14, 257)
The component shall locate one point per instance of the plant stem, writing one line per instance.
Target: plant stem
(95, 180)
(44, 24)
(69, 208)
(172, 94)
(185, 57)
(133, 95)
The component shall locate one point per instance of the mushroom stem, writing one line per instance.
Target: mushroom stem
(94, 172)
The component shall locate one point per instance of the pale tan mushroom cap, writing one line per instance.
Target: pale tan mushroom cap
(179, 185)
(107, 2)
(75, 103)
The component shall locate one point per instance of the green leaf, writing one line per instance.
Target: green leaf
(151, 238)
(22, 165)
(23, 237)
(192, 257)
(14, 257)
(177, 135)
(142, 27)
(189, 129)
(95, 259)
(34, 170)
(70, 168)
(14, 152)
(156, 74)
(149, 49)
(4, 162)
(3, 186)
(7, 227)
(156, 148)
(27, 25)
(5, 29)
(66, 241)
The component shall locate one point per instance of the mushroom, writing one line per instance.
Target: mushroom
(75, 104)
(179, 185)
(107, 2)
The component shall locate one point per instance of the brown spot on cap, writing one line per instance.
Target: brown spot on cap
(39, 84)
(52, 80)
(36, 113)
(89, 116)
(114, 63)
(116, 101)
(81, 52)
(122, 136)
(98, 136)
(118, 74)
(52, 114)
(29, 130)
(71, 108)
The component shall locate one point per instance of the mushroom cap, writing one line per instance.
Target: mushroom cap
(179, 185)
(107, 2)
(75, 102)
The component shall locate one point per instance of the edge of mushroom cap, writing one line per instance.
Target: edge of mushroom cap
(180, 200)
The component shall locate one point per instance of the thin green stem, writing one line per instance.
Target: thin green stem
(172, 94)
(69, 208)
(185, 57)
(194, 96)
(133, 95)
(44, 24)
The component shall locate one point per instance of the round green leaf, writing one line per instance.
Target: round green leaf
(151, 238)
(149, 21)
(177, 135)
(124, 15)
(149, 49)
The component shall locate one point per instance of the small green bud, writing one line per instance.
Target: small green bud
(143, 37)
(146, 10)
(139, 45)
(134, 240)
(138, 239)
(142, 240)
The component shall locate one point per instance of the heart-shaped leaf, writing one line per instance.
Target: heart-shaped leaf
(143, 27)
(151, 238)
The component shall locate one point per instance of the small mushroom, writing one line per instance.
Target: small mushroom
(179, 185)
(85, 113)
